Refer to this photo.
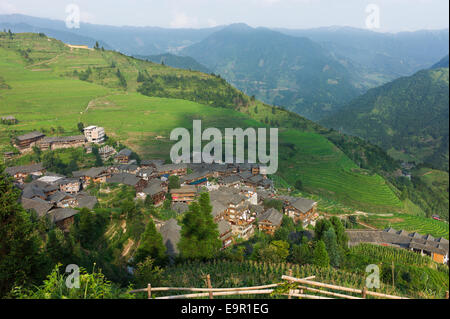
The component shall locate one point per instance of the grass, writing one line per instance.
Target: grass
(327, 171)
(410, 223)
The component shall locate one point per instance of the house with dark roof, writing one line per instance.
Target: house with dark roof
(230, 181)
(196, 178)
(269, 221)
(69, 185)
(86, 201)
(62, 217)
(27, 141)
(93, 175)
(171, 169)
(41, 207)
(59, 142)
(300, 209)
(225, 233)
(20, 173)
(219, 210)
(185, 194)
(155, 190)
(123, 156)
(128, 179)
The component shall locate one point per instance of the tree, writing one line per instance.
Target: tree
(322, 225)
(148, 273)
(320, 255)
(299, 185)
(22, 261)
(199, 233)
(174, 182)
(80, 127)
(302, 254)
(151, 246)
(334, 251)
(341, 235)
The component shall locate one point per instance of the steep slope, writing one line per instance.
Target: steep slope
(176, 61)
(408, 116)
(442, 63)
(278, 69)
(46, 92)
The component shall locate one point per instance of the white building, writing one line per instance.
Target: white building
(95, 134)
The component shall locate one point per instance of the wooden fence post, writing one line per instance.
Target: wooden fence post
(290, 275)
(364, 292)
(208, 280)
(446, 294)
(149, 291)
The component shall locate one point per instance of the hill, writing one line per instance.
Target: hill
(46, 91)
(408, 117)
(381, 57)
(176, 61)
(442, 63)
(279, 69)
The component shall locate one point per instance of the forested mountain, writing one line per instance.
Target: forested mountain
(279, 69)
(408, 116)
(176, 61)
(382, 56)
(442, 63)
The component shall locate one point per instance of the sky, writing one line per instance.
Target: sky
(378, 15)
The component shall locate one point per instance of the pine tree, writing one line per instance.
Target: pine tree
(334, 251)
(341, 235)
(21, 259)
(320, 254)
(199, 233)
(151, 246)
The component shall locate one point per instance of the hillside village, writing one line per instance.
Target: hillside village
(237, 193)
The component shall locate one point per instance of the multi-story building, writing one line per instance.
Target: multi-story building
(95, 134)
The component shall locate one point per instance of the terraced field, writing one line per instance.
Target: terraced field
(411, 223)
(326, 170)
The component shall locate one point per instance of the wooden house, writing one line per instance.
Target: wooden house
(156, 191)
(54, 143)
(27, 141)
(185, 194)
(269, 221)
(124, 156)
(300, 209)
(20, 173)
(225, 233)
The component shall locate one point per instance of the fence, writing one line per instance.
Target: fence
(297, 287)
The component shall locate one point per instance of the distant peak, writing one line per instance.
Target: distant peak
(238, 27)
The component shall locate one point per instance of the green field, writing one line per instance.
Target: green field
(45, 94)
(410, 223)
(326, 170)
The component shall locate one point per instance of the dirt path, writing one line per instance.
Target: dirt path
(46, 61)
(367, 226)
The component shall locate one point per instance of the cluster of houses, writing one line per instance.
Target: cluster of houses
(92, 134)
(436, 248)
(237, 193)
(49, 194)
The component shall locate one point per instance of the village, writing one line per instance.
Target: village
(238, 193)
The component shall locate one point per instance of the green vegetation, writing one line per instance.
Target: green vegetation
(412, 223)
(408, 115)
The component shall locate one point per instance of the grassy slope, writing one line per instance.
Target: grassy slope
(45, 93)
